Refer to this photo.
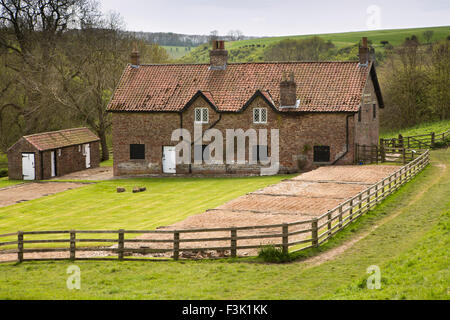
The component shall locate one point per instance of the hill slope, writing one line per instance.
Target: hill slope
(252, 50)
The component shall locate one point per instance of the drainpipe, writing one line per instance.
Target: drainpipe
(347, 146)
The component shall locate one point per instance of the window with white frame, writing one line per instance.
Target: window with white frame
(260, 115)
(201, 115)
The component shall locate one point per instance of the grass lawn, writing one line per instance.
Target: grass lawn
(410, 246)
(5, 182)
(437, 127)
(99, 207)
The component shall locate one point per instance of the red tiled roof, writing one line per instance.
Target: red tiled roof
(61, 139)
(321, 86)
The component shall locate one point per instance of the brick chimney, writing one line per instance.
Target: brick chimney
(218, 55)
(135, 57)
(288, 91)
(364, 55)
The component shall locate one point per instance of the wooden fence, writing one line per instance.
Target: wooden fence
(313, 232)
(381, 153)
(424, 141)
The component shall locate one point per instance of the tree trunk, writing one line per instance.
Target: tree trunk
(104, 145)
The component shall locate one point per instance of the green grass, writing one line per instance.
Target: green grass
(98, 206)
(176, 52)
(410, 246)
(340, 40)
(425, 128)
(5, 182)
(107, 163)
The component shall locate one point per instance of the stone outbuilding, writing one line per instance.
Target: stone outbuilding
(52, 154)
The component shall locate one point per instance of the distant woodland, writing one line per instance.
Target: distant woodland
(60, 61)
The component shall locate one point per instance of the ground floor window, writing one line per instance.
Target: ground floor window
(137, 151)
(321, 154)
(260, 153)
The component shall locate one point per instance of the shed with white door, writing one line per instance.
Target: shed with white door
(51, 154)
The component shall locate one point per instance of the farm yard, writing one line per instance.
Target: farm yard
(405, 236)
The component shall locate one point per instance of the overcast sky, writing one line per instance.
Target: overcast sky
(277, 17)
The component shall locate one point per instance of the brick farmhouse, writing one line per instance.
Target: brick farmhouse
(53, 154)
(321, 109)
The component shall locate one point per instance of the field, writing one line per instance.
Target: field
(406, 236)
(340, 40)
(177, 52)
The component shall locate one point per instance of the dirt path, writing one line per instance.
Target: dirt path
(95, 174)
(30, 191)
(335, 252)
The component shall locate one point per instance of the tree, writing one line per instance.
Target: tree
(296, 50)
(428, 35)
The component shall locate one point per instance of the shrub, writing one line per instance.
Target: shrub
(3, 172)
(273, 255)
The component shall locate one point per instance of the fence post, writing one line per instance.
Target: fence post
(404, 156)
(376, 194)
(285, 238)
(330, 215)
(376, 154)
(340, 217)
(383, 153)
(20, 246)
(176, 245)
(350, 213)
(314, 235)
(433, 136)
(72, 244)
(233, 242)
(368, 200)
(121, 243)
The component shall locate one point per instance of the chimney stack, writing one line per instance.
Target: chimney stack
(364, 56)
(218, 55)
(135, 57)
(288, 91)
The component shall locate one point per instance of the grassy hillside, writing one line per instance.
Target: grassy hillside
(252, 50)
(425, 128)
(406, 236)
(177, 52)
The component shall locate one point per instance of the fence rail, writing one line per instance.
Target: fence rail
(382, 153)
(314, 232)
(423, 141)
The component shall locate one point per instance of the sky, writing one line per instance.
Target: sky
(277, 17)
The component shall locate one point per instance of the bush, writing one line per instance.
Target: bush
(3, 172)
(273, 255)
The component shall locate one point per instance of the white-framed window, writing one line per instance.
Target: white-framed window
(260, 115)
(201, 115)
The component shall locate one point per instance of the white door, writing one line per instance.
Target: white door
(28, 166)
(87, 154)
(169, 160)
(53, 163)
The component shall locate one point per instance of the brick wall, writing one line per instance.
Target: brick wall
(367, 130)
(299, 134)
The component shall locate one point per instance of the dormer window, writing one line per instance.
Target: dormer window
(201, 115)
(260, 115)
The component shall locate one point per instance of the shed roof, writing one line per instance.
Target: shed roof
(60, 139)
